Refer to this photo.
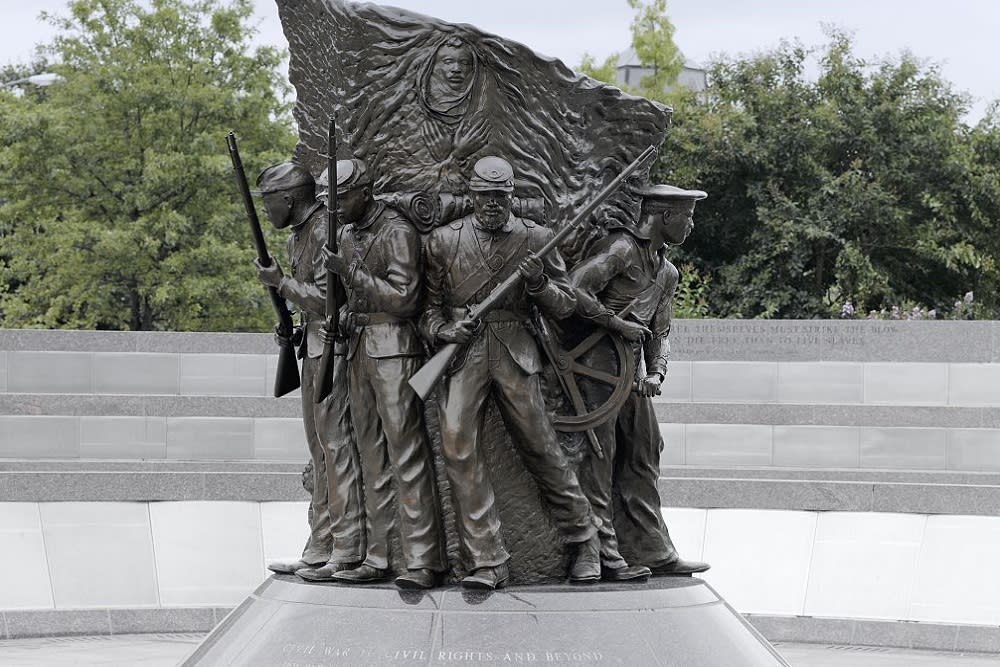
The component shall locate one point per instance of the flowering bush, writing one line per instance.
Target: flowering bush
(963, 309)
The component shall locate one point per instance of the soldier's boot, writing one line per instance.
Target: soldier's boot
(419, 579)
(363, 574)
(586, 565)
(487, 578)
(279, 567)
(633, 573)
(324, 573)
(678, 567)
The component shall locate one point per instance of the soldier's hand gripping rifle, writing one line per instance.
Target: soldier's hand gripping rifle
(287, 378)
(331, 329)
(424, 380)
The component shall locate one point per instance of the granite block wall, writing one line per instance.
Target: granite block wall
(130, 461)
(850, 395)
(107, 555)
(881, 566)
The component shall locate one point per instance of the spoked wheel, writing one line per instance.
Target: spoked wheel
(573, 373)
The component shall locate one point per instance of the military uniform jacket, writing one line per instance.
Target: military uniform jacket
(465, 262)
(305, 285)
(384, 283)
(623, 268)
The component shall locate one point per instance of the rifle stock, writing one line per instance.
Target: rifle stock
(323, 384)
(287, 377)
(424, 380)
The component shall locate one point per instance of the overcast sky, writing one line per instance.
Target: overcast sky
(960, 35)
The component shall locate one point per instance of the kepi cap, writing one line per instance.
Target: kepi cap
(282, 176)
(492, 173)
(351, 174)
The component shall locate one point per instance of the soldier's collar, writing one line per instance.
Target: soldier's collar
(631, 230)
(505, 228)
(371, 215)
(308, 216)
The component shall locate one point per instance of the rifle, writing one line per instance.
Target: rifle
(287, 378)
(331, 331)
(424, 380)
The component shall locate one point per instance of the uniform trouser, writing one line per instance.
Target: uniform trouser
(622, 487)
(462, 401)
(596, 474)
(336, 512)
(638, 518)
(392, 442)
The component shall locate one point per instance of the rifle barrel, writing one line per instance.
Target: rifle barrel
(331, 220)
(287, 377)
(323, 383)
(241, 179)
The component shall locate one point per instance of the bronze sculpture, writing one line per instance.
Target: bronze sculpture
(424, 137)
(336, 516)
(465, 261)
(626, 285)
(520, 256)
(380, 267)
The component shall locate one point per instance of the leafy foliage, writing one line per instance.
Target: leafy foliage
(119, 209)
(691, 295)
(861, 184)
(653, 41)
(605, 71)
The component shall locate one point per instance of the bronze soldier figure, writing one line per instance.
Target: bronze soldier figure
(465, 261)
(335, 510)
(627, 271)
(381, 269)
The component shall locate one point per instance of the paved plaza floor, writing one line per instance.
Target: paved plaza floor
(167, 650)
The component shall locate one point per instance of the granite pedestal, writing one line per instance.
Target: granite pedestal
(678, 621)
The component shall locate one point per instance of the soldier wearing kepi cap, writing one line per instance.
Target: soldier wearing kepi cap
(492, 174)
(629, 267)
(351, 175)
(336, 515)
(465, 261)
(380, 266)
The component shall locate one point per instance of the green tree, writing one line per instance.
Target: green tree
(861, 184)
(604, 72)
(653, 42)
(119, 208)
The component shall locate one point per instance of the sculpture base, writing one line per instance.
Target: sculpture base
(678, 621)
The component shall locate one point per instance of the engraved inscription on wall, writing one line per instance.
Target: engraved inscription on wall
(694, 339)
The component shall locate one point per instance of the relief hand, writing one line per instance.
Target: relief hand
(649, 386)
(271, 275)
(629, 330)
(532, 270)
(334, 262)
(459, 332)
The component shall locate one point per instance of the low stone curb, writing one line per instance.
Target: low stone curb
(867, 632)
(23, 624)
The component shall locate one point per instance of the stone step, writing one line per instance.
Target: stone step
(261, 428)
(972, 384)
(757, 488)
(708, 412)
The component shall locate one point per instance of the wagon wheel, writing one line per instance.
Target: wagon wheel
(570, 370)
